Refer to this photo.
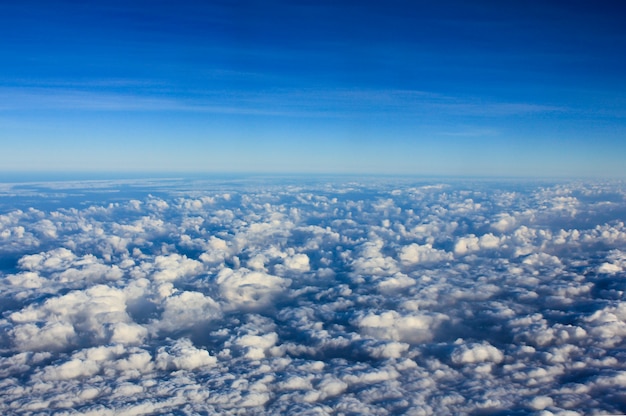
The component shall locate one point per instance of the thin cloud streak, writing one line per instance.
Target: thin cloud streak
(307, 102)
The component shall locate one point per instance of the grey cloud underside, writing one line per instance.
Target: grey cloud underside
(385, 297)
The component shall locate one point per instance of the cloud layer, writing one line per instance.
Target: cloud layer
(314, 297)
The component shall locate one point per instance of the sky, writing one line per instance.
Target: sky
(490, 88)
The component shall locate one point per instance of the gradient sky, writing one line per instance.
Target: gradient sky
(410, 87)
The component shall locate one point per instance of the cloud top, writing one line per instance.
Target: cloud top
(314, 297)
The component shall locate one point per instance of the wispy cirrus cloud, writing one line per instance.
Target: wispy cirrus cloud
(105, 96)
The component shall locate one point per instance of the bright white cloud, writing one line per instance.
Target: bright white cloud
(186, 309)
(413, 328)
(298, 263)
(414, 253)
(249, 289)
(182, 355)
(476, 353)
(326, 297)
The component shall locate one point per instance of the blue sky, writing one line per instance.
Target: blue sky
(410, 87)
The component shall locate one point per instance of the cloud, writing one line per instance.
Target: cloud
(182, 355)
(413, 328)
(324, 296)
(472, 243)
(505, 222)
(476, 353)
(298, 263)
(257, 345)
(616, 263)
(185, 309)
(243, 288)
(87, 317)
(371, 261)
(415, 253)
(58, 259)
(174, 266)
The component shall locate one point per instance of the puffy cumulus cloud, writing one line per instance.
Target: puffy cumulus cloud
(608, 325)
(71, 369)
(372, 262)
(217, 251)
(412, 328)
(616, 263)
(183, 355)
(415, 253)
(128, 333)
(257, 345)
(10, 221)
(391, 349)
(316, 296)
(258, 261)
(298, 263)
(48, 336)
(174, 266)
(46, 228)
(184, 310)
(396, 282)
(476, 353)
(327, 387)
(54, 260)
(243, 288)
(27, 280)
(505, 222)
(471, 243)
(80, 317)
(63, 268)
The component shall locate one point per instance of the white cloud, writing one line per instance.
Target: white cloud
(257, 262)
(243, 288)
(296, 383)
(471, 243)
(182, 310)
(371, 261)
(128, 333)
(353, 296)
(58, 259)
(541, 402)
(505, 222)
(173, 266)
(616, 263)
(415, 253)
(413, 328)
(78, 317)
(391, 349)
(182, 355)
(27, 280)
(328, 387)
(396, 282)
(542, 260)
(257, 345)
(50, 336)
(608, 325)
(466, 245)
(298, 263)
(72, 369)
(476, 353)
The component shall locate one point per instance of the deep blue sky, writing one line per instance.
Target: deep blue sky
(418, 87)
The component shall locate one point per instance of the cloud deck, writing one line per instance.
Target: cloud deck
(313, 297)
